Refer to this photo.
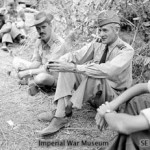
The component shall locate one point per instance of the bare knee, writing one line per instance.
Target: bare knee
(44, 79)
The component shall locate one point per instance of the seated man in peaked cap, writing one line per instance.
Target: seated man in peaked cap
(48, 47)
(103, 69)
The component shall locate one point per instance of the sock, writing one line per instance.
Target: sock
(67, 100)
(60, 111)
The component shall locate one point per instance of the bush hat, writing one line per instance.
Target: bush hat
(106, 17)
(42, 17)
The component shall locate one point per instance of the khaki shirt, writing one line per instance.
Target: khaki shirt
(52, 50)
(117, 68)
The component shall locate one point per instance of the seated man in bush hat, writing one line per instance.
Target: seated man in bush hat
(99, 71)
(48, 47)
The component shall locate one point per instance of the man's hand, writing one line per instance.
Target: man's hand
(22, 67)
(22, 74)
(104, 108)
(60, 66)
(100, 120)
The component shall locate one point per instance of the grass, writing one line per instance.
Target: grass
(21, 109)
(18, 107)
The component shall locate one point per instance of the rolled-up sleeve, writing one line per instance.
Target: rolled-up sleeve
(36, 55)
(148, 85)
(146, 113)
(111, 68)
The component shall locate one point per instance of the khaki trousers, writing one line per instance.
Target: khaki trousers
(82, 88)
(14, 31)
(8, 37)
(18, 62)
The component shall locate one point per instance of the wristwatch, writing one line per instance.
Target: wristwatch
(75, 67)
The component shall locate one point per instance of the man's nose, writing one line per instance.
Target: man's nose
(41, 30)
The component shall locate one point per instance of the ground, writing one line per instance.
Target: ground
(18, 107)
(18, 111)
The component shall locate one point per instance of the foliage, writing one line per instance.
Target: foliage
(79, 17)
(137, 15)
(71, 14)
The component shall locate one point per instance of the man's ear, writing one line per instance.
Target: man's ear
(117, 30)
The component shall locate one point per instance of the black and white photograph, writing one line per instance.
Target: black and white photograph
(74, 74)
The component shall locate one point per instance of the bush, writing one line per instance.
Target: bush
(80, 16)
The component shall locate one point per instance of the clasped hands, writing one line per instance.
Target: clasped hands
(101, 111)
